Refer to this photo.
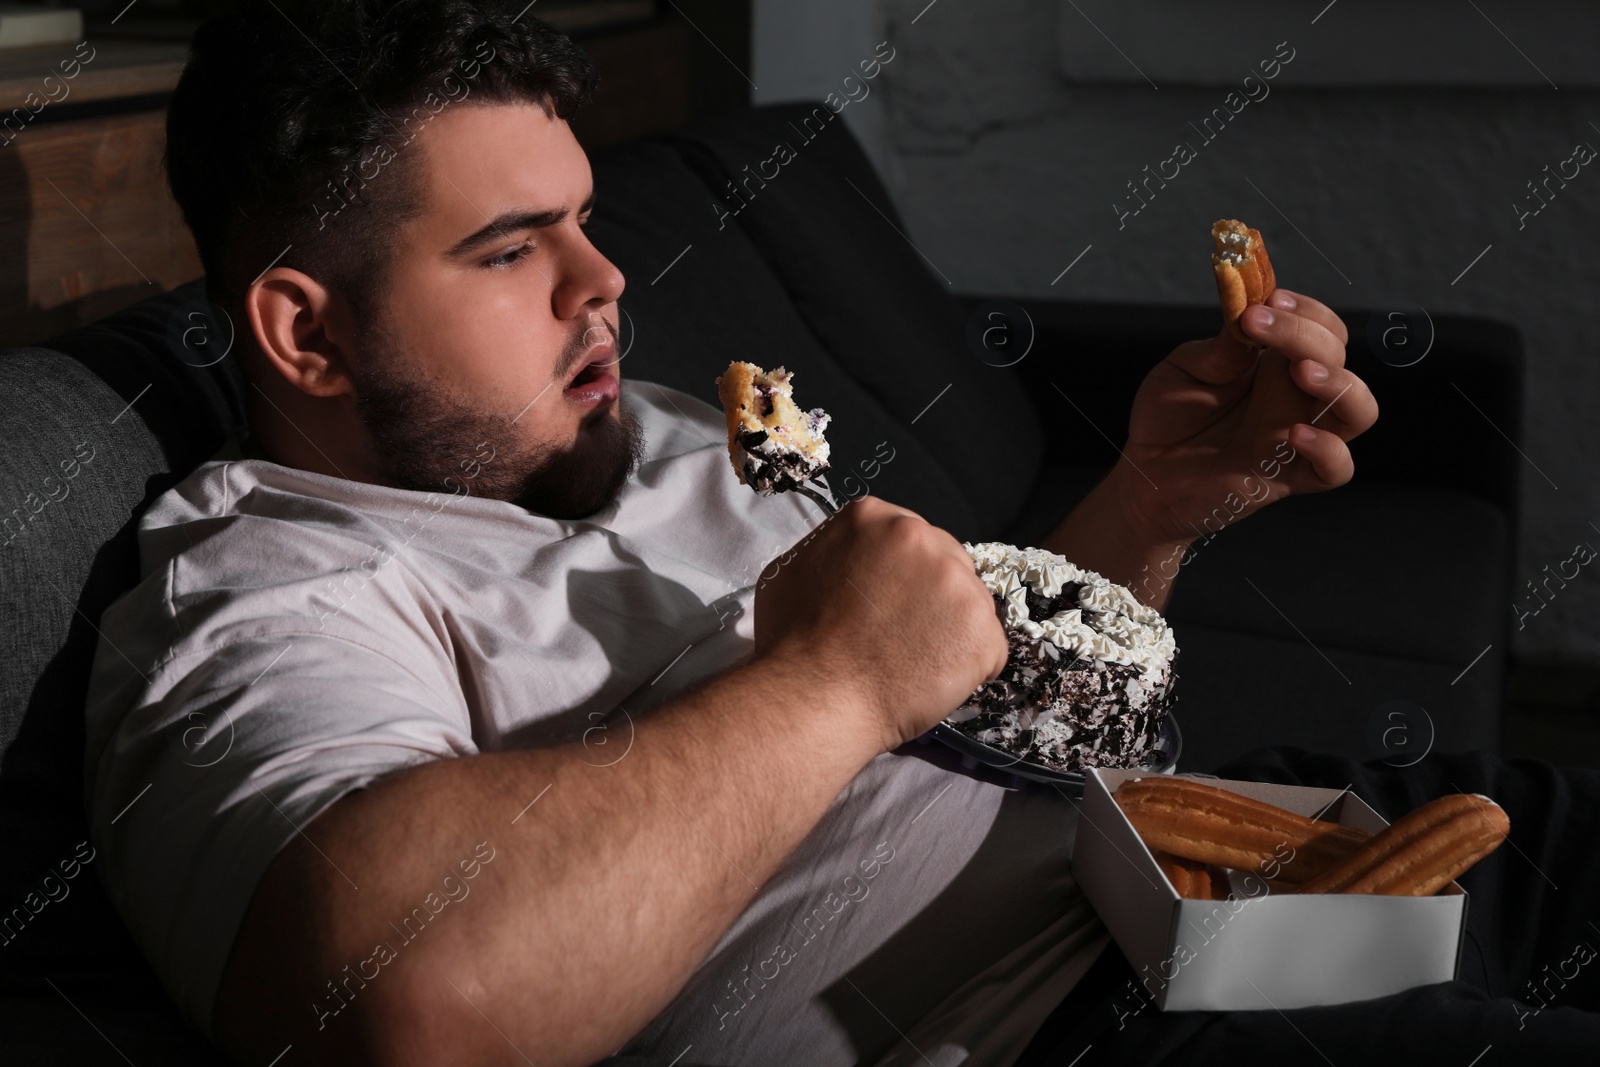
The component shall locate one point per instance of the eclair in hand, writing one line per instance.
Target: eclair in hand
(1244, 273)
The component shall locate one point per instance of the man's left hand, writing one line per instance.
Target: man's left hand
(1220, 429)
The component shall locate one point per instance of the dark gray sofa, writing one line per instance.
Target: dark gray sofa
(1294, 628)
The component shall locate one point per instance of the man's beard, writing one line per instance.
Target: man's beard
(427, 440)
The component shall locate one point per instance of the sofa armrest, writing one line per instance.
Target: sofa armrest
(1447, 421)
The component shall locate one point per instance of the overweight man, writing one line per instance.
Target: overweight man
(447, 723)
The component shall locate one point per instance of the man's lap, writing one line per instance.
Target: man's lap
(1531, 906)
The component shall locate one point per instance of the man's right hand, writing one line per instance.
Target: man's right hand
(892, 605)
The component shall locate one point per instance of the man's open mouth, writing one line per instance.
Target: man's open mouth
(595, 380)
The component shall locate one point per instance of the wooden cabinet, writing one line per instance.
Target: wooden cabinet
(86, 223)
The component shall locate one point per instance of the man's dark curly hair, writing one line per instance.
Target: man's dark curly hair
(291, 127)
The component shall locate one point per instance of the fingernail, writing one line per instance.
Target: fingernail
(1317, 372)
(1261, 315)
(1303, 435)
(1283, 300)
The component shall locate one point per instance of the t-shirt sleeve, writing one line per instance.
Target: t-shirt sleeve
(201, 767)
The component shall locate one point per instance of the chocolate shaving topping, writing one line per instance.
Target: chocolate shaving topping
(1065, 711)
(1041, 607)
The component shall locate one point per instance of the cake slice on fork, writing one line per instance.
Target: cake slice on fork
(774, 446)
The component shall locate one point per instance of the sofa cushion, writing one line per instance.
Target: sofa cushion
(692, 312)
(95, 422)
(78, 459)
(1237, 692)
(1367, 575)
(825, 226)
(1411, 572)
(1056, 491)
(1416, 573)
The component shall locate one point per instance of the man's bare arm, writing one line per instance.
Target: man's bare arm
(597, 904)
(602, 898)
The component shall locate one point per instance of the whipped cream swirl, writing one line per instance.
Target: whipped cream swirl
(1109, 623)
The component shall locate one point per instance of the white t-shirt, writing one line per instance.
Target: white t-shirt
(296, 636)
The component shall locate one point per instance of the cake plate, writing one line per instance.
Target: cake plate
(1169, 744)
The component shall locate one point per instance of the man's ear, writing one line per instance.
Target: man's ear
(304, 329)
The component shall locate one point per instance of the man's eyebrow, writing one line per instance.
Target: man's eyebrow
(515, 220)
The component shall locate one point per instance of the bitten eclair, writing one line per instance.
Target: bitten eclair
(1244, 273)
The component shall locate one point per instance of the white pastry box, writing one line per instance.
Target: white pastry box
(1260, 950)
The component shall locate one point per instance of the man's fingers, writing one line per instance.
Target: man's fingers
(1295, 324)
(1315, 310)
(1296, 336)
(1343, 401)
(1218, 361)
(1328, 456)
